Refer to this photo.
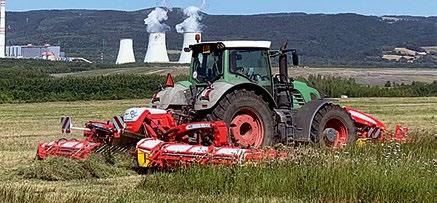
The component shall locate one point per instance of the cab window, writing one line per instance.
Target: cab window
(207, 64)
(252, 64)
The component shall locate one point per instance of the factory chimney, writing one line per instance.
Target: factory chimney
(157, 48)
(126, 52)
(191, 28)
(2, 28)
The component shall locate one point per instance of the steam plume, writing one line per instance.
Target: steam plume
(164, 4)
(192, 23)
(154, 21)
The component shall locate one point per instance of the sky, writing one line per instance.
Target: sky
(366, 7)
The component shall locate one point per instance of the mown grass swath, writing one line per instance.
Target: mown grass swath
(62, 169)
(27, 194)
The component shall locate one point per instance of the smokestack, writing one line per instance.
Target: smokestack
(126, 52)
(157, 49)
(190, 38)
(2, 28)
(191, 28)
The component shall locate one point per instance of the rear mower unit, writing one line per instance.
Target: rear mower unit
(230, 109)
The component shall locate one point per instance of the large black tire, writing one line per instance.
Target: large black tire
(333, 127)
(236, 105)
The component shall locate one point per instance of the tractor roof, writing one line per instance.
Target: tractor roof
(242, 44)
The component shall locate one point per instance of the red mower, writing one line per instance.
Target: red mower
(231, 109)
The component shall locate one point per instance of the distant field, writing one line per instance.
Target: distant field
(372, 76)
(22, 126)
(176, 70)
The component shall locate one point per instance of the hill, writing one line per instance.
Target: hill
(340, 39)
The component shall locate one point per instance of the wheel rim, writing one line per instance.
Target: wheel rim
(247, 129)
(335, 133)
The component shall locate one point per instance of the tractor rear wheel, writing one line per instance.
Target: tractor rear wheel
(333, 127)
(249, 118)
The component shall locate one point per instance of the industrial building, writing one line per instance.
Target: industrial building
(2, 28)
(46, 52)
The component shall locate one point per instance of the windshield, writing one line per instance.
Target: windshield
(207, 64)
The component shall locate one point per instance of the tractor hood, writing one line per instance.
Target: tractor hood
(206, 96)
(178, 95)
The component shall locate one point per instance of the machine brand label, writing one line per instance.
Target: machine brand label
(198, 126)
(133, 114)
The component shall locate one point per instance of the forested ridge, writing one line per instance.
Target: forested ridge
(321, 39)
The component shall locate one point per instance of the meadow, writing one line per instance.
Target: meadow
(373, 172)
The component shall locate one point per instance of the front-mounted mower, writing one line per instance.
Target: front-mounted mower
(230, 109)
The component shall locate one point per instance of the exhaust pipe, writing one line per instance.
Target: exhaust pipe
(283, 68)
(285, 87)
(283, 62)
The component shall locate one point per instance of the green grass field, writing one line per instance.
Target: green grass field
(391, 172)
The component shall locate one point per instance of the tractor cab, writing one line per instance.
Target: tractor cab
(232, 61)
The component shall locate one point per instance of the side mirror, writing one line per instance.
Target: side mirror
(295, 58)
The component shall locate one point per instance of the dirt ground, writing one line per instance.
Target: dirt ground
(372, 76)
(368, 76)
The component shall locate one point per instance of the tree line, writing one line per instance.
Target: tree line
(34, 85)
(43, 89)
(335, 87)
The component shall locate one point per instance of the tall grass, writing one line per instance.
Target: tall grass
(390, 172)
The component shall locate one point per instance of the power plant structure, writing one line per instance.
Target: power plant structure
(2, 28)
(190, 38)
(126, 52)
(30, 51)
(157, 49)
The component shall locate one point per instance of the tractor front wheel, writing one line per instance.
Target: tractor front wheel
(249, 118)
(333, 127)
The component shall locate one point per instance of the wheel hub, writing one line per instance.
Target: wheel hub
(247, 130)
(330, 134)
(336, 133)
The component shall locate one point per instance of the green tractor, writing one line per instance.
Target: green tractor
(232, 81)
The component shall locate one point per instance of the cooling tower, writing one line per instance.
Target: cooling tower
(157, 49)
(126, 52)
(2, 28)
(190, 38)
